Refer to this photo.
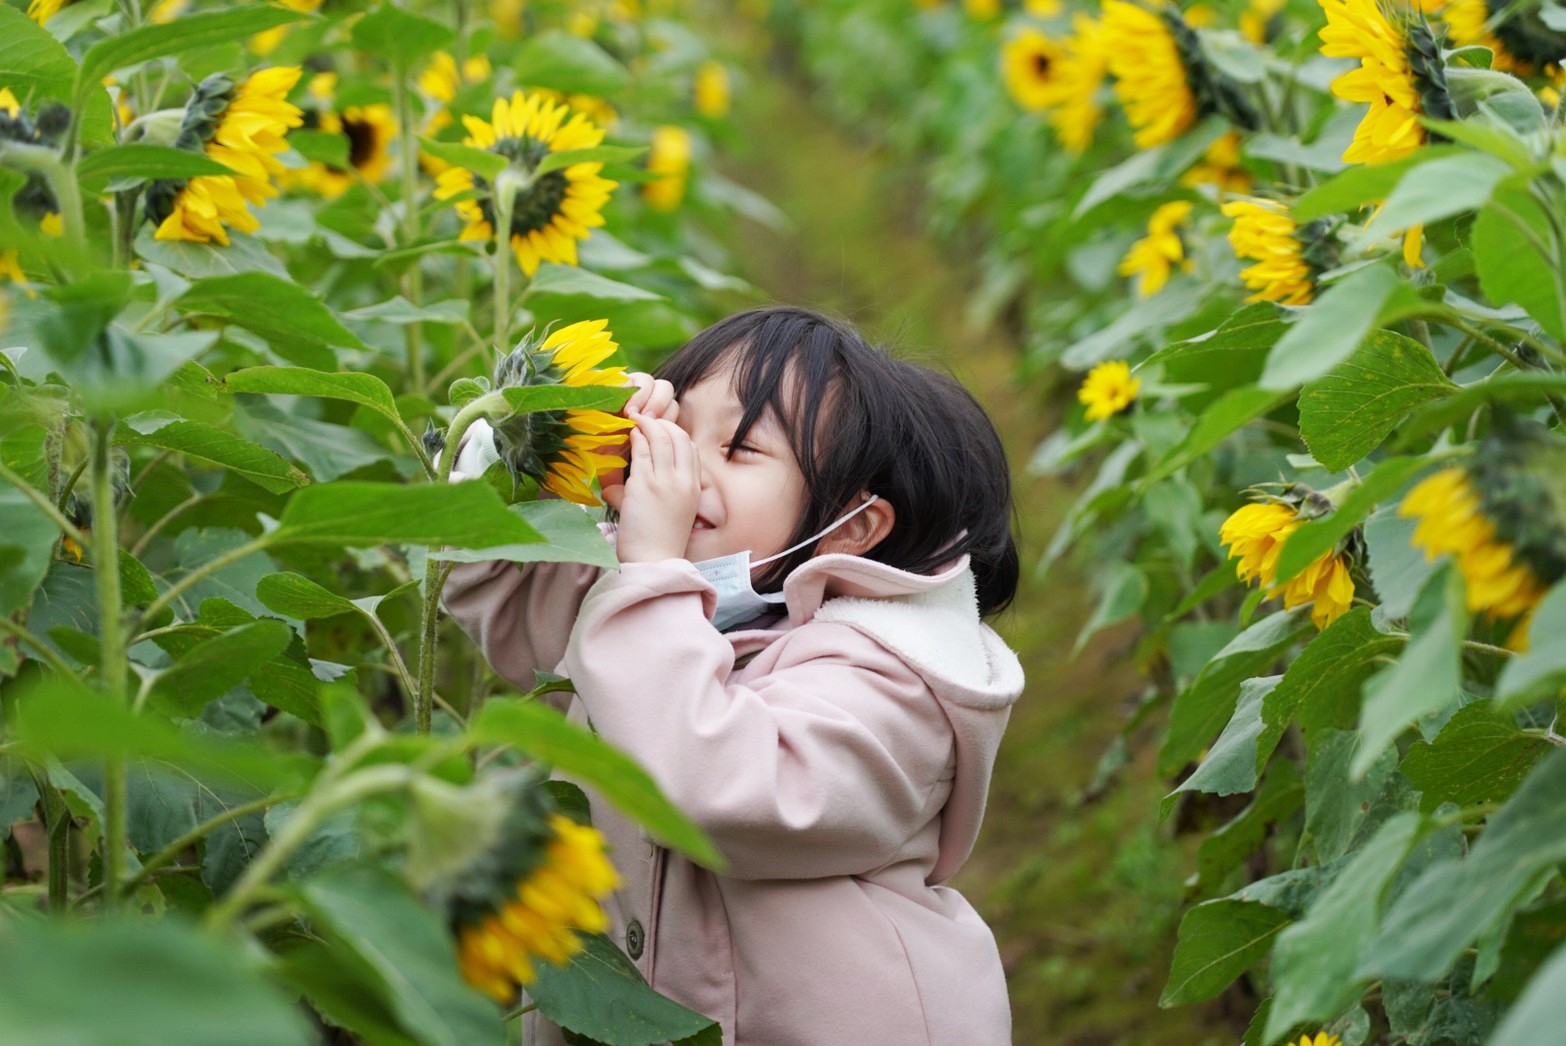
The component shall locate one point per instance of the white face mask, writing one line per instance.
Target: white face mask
(738, 600)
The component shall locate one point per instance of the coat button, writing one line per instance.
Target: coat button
(635, 939)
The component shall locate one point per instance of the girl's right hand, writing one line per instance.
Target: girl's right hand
(657, 503)
(653, 398)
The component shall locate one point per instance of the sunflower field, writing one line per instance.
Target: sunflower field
(262, 265)
(1307, 264)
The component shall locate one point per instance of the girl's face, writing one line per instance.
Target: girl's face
(750, 499)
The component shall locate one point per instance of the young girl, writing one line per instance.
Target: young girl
(809, 534)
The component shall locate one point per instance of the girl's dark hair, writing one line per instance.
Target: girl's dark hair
(858, 420)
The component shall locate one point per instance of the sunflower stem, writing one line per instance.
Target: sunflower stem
(112, 667)
(413, 280)
(502, 287)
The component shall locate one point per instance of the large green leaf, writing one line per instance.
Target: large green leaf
(372, 913)
(544, 734)
(399, 36)
(1313, 960)
(32, 59)
(569, 535)
(1228, 414)
(1526, 388)
(212, 668)
(1330, 328)
(216, 445)
(1454, 901)
(1230, 766)
(160, 805)
(1507, 239)
(185, 34)
(1441, 188)
(1337, 802)
(1363, 184)
(141, 160)
(528, 399)
(359, 514)
(296, 323)
(1219, 940)
(1203, 708)
(568, 63)
(1347, 414)
(601, 995)
(1540, 1013)
(1279, 796)
(1316, 537)
(364, 389)
(1233, 354)
(569, 281)
(137, 982)
(243, 253)
(1480, 756)
(295, 595)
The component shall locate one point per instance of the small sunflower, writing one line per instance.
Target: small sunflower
(549, 212)
(1108, 389)
(1256, 533)
(369, 130)
(1400, 75)
(1287, 257)
(710, 90)
(670, 158)
(1074, 111)
(1220, 167)
(242, 127)
(562, 451)
(1154, 257)
(1029, 61)
(41, 11)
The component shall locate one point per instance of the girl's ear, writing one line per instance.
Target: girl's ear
(862, 533)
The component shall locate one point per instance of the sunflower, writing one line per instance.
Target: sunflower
(369, 130)
(549, 212)
(241, 127)
(562, 451)
(441, 79)
(1256, 533)
(1152, 258)
(711, 90)
(1108, 389)
(41, 11)
(670, 157)
(1029, 61)
(1400, 75)
(1258, 19)
(1287, 257)
(1150, 78)
(1220, 167)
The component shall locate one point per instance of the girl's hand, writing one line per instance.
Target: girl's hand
(658, 501)
(653, 398)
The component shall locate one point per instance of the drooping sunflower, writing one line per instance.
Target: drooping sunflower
(1288, 256)
(1108, 389)
(1029, 61)
(1502, 517)
(1155, 256)
(369, 130)
(1220, 167)
(1256, 534)
(550, 212)
(710, 90)
(670, 158)
(1400, 75)
(562, 451)
(242, 127)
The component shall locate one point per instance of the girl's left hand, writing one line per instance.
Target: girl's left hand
(658, 503)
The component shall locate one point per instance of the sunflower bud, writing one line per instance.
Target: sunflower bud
(1428, 67)
(434, 439)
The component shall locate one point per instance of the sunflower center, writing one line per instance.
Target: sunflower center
(361, 142)
(536, 206)
(1041, 66)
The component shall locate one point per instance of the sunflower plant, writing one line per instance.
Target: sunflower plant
(243, 311)
(1301, 267)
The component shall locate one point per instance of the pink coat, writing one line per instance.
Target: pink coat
(839, 759)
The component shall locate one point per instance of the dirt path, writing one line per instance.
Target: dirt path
(1083, 896)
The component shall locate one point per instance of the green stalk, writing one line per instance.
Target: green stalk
(413, 280)
(57, 822)
(212, 566)
(502, 201)
(112, 668)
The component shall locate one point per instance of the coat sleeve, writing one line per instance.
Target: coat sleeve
(520, 615)
(827, 765)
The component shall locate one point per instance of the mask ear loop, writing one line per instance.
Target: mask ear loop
(817, 537)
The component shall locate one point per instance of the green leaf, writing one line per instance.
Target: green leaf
(544, 734)
(1454, 901)
(1319, 535)
(568, 281)
(137, 982)
(218, 446)
(1153, 167)
(142, 160)
(33, 60)
(482, 162)
(1202, 709)
(235, 582)
(1539, 1013)
(1228, 414)
(1330, 329)
(364, 389)
(1122, 587)
(568, 64)
(1337, 802)
(1280, 795)
(1231, 764)
(160, 805)
(326, 450)
(199, 260)
(598, 154)
(1426, 678)
(1441, 188)
(27, 542)
(399, 36)
(1526, 388)
(1398, 568)
(1479, 757)
(601, 995)
(1347, 414)
(1313, 960)
(296, 323)
(1231, 355)
(187, 33)
(568, 535)
(373, 914)
(400, 310)
(1512, 267)
(360, 514)
(530, 399)
(325, 147)
(1115, 339)
(213, 668)
(1219, 941)
(294, 595)
(1542, 669)
(1363, 184)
